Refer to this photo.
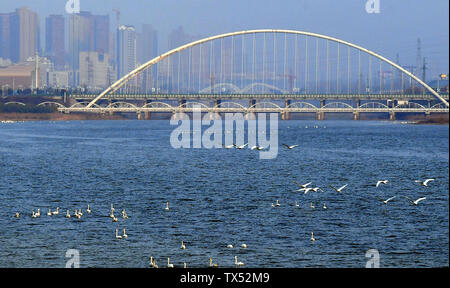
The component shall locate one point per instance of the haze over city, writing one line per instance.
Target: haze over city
(394, 30)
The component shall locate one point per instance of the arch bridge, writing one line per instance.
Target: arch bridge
(268, 66)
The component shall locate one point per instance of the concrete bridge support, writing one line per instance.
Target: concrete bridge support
(147, 115)
(392, 116)
(286, 115)
(216, 115)
(320, 114)
(251, 115)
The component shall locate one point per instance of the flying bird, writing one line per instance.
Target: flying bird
(387, 200)
(289, 147)
(382, 182)
(415, 202)
(240, 147)
(303, 185)
(424, 183)
(340, 189)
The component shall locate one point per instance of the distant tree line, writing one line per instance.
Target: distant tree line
(17, 108)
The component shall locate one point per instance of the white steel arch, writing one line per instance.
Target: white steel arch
(59, 105)
(119, 83)
(15, 103)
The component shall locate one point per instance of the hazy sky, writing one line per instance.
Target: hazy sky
(394, 30)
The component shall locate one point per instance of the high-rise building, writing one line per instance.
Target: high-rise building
(19, 34)
(147, 49)
(54, 40)
(94, 69)
(87, 33)
(5, 36)
(29, 42)
(126, 50)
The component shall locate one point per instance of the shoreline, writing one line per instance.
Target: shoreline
(56, 116)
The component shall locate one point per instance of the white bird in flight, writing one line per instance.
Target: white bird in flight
(382, 182)
(340, 189)
(240, 147)
(228, 146)
(303, 185)
(424, 183)
(415, 202)
(259, 148)
(387, 200)
(289, 147)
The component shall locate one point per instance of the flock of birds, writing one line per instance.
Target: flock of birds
(255, 147)
(305, 188)
(78, 213)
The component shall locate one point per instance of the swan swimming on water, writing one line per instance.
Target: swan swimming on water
(169, 265)
(238, 263)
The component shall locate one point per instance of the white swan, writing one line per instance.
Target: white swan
(415, 202)
(56, 212)
(290, 147)
(244, 246)
(312, 237)
(211, 264)
(88, 210)
(324, 206)
(296, 204)
(167, 206)
(49, 213)
(311, 205)
(387, 200)
(169, 265)
(182, 246)
(117, 234)
(240, 147)
(17, 215)
(68, 214)
(277, 204)
(237, 263)
(424, 183)
(302, 185)
(339, 190)
(229, 246)
(125, 235)
(124, 214)
(381, 182)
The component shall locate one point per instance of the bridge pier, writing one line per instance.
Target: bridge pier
(216, 115)
(286, 115)
(392, 116)
(251, 115)
(320, 114)
(355, 115)
(147, 115)
(139, 115)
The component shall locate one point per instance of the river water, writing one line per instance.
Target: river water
(223, 196)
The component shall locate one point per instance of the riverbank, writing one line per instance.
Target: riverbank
(56, 117)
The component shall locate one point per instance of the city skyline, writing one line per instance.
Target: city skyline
(395, 26)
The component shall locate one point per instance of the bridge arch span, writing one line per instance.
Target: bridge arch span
(15, 103)
(302, 105)
(122, 81)
(337, 105)
(373, 105)
(48, 103)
